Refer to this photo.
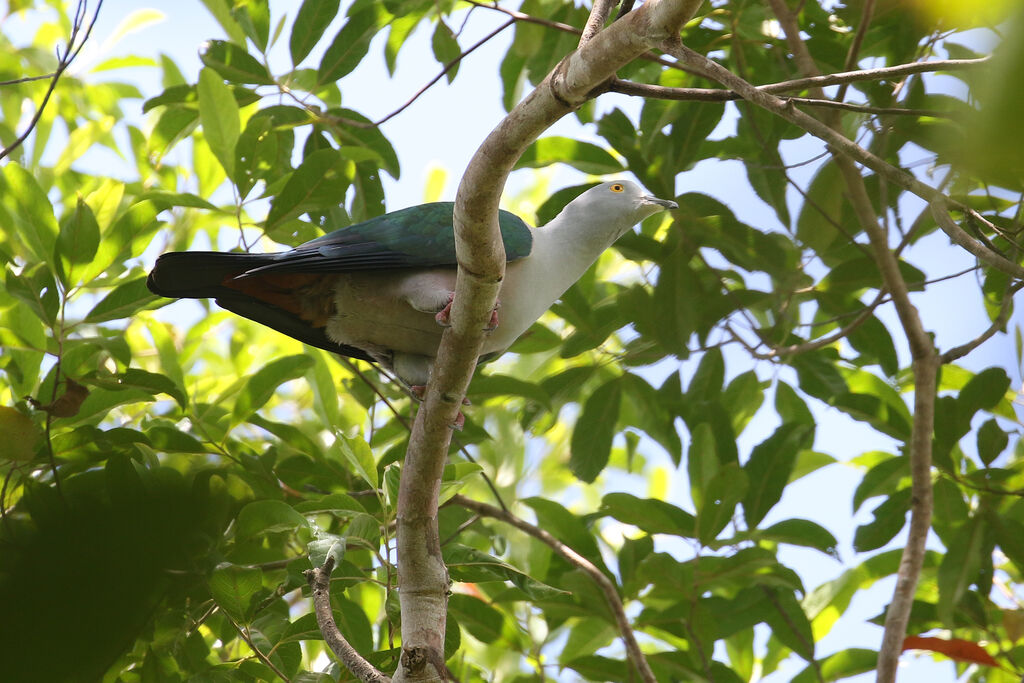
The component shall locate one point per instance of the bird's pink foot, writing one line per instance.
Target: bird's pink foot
(444, 316)
(419, 392)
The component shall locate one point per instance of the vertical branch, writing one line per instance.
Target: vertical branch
(925, 367)
(422, 577)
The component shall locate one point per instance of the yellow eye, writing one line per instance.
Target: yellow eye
(616, 188)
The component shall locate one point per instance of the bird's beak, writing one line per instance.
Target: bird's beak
(667, 204)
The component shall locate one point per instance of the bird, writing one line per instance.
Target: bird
(381, 290)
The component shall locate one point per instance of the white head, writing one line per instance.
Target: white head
(618, 205)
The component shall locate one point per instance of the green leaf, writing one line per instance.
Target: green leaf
(21, 435)
(319, 182)
(482, 621)
(261, 386)
(262, 517)
(233, 63)
(310, 23)
(256, 154)
(873, 340)
(882, 479)
(742, 398)
(890, 516)
(254, 18)
(446, 48)
(587, 636)
(591, 442)
(822, 209)
(218, 112)
(78, 240)
(675, 308)
(470, 565)
(221, 11)
(649, 515)
(842, 664)
(789, 623)
(149, 382)
(173, 440)
(769, 467)
(984, 391)
(123, 301)
(566, 527)
(707, 380)
(358, 454)
(325, 545)
(583, 156)
(702, 461)
(233, 589)
(960, 566)
(721, 496)
(27, 203)
(818, 376)
(992, 441)
(802, 532)
(352, 42)
(485, 386)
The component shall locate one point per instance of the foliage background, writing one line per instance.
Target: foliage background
(206, 444)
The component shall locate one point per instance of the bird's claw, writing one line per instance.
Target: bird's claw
(444, 316)
(419, 392)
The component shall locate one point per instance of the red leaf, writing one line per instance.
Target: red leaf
(955, 648)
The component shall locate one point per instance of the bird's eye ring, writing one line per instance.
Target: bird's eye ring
(616, 188)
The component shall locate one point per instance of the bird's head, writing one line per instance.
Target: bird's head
(620, 203)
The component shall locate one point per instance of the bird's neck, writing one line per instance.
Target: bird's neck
(571, 242)
(564, 249)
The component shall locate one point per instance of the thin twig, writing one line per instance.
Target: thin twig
(794, 349)
(64, 61)
(566, 28)
(869, 109)
(940, 212)
(244, 633)
(867, 13)
(319, 579)
(26, 79)
(796, 84)
(605, 584)
(447, 67)
(848, 148)
(1005, 306)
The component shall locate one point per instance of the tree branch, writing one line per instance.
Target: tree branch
(940, 212)
(63, 62)
(611, 594)
(796, 84)
(814, 344)
(1005, 306)
(848, 148)
(319, 579)
(715, 95)
(599, 14)
(447, 67)
(925, 368)
(423, 578)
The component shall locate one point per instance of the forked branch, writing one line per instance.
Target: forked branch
(604, 584)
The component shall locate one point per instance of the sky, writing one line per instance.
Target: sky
(442, 129)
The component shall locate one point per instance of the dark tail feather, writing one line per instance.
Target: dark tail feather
(199, 274)
(202, 274)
